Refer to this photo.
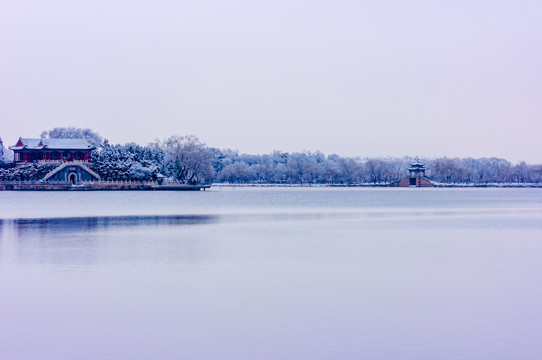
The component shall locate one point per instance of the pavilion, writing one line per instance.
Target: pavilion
(52, 150)
(416, 176)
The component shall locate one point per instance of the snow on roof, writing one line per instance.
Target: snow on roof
(66, 144)
(53, 144)
(418, 162)
(417, 165)
(31, 142)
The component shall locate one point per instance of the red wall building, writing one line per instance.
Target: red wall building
(52, 150)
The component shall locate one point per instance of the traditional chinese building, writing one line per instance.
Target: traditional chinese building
(52, 150)
(72, 172)
(416, 176)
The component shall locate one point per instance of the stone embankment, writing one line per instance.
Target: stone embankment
(32, 185)
(96, 186)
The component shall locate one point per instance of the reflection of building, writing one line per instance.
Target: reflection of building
(416, 176)
(52, 150)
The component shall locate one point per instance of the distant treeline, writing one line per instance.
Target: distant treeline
(186, 159)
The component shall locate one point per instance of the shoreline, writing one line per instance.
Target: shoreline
(97, 186)
(435, 185)
(136, 186)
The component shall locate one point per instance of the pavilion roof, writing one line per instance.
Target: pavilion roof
(418, 165)
(52, 144)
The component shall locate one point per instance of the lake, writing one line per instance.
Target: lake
(272, 273)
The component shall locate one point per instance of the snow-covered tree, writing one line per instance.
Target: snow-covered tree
(26, 172)
(2, 152)
(188, 160)
(237, 172)
(73, 133)
(128, 162)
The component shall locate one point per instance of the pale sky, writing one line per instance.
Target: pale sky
(355, 78)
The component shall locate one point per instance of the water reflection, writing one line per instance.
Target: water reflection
(188, 239)
(88, 241)
(78, 224)
(524, 218)
(285, 284)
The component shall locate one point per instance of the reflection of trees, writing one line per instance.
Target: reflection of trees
(89, 224)
(91, 240)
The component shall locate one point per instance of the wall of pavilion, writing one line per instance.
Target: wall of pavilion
(52, 150)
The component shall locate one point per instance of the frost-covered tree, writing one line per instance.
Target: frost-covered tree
(26, 172)
(73, 133)
(237, 172)
(376, 169)
(144, 170)
(520, 173)
(350, 170)
(315, 168)
(304, 167)
(188, 160)
(128, 162)
(224, 158)
(2, 152)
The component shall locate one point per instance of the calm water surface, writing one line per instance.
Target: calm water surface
(272, 273)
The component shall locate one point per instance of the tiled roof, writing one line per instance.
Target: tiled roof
(66, 144)
(417, 165)
(31, 143)
(53, 144)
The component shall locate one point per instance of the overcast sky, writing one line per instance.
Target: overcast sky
(355, 78)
